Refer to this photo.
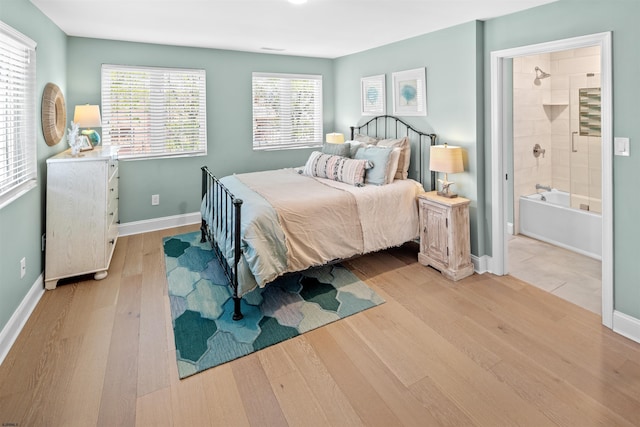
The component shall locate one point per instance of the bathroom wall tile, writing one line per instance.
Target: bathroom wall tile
(560, 184)
(562, 54)
(541, 128)
(560, 96)
(561, 157)
(579, 65)
(588, 51)
(594, 81)
(560, 127)
(522, 128)
(580, 158)
(559, 82)
(595, 206)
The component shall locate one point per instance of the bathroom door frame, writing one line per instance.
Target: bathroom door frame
(500, 140)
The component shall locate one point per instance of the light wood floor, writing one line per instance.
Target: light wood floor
(486, 351)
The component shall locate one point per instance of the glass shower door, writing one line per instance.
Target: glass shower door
(585, 140)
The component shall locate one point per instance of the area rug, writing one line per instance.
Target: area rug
(201, 305)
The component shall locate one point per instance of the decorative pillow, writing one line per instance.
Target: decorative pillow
(379, 157)
(392, 165)
(353, 147)
(405, 154)
(366, 139)
(343, 150)
(337, 168)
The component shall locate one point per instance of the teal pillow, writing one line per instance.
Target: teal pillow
(378, 157)
(343, 150)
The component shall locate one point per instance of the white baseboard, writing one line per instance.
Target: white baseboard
(147, 225)
(626, 326)
(481, 264)
(12, 329)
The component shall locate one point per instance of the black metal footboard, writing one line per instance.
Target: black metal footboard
(222, 229)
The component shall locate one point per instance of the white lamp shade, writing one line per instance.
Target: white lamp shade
(87, 116)
(445, 158)
(335, 138)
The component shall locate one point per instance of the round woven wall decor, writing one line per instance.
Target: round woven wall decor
(54, 114)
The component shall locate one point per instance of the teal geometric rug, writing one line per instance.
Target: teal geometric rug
(201, 305)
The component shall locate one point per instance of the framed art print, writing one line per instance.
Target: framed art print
(372, 95)
(410, 93)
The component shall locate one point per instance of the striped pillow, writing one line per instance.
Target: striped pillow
(336, 168)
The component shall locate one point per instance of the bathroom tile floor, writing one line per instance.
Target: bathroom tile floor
(571, 276)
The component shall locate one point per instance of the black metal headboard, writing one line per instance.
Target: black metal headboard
(392, 127)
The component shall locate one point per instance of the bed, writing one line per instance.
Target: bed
(263, 225)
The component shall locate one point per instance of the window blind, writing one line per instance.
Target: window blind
(18, 162)
(287, 110)
(154, 112)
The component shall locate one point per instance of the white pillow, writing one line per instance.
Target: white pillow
(405, 156)
(392, 165)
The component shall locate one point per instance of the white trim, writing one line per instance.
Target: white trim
(498, 141)
(19, 318)
(147, 225)
(626, 326)
(480, 264)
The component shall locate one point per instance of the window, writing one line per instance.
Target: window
(18, 161)
(154, 112)
(287, 111)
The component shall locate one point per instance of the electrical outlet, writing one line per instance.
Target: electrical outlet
(23, 267)
(155, 199)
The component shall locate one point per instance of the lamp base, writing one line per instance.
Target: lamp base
(447, 194)
(94, 137)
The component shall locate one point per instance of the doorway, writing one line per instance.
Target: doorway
(501, 145)
(555, 217)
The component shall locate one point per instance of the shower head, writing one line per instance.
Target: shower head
(541, 74)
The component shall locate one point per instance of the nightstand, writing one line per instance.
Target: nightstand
(444, 235)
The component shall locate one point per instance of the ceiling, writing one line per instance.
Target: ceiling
(319, 28)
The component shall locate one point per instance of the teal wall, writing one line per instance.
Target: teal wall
(22, 221)
(454, 99)
(229, 118)
(570, 18)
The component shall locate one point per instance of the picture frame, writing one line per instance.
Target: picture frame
(372, 95)
(85, 144)
(410, 92)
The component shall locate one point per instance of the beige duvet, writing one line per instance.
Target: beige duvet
(319, 221)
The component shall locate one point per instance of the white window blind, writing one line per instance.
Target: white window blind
(18, 161)
(154, 112)
(287, 111)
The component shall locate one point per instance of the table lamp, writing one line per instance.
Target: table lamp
(335, 138)
(88, 116)
(447, 159)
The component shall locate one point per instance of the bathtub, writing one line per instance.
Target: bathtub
(553, 221)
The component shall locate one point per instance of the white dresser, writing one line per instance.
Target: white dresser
(82, 214)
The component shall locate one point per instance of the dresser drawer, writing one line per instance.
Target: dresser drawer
(113, 195)
(112, 164)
